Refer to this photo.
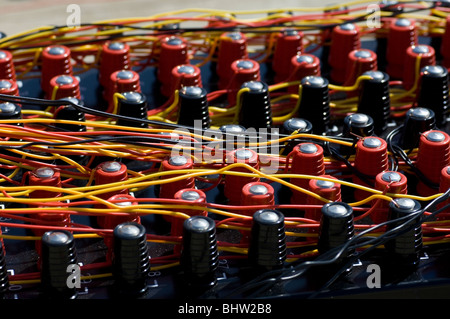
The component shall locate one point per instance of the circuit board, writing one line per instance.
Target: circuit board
(125, 123)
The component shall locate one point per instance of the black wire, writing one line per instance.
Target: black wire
(354, 243)
(379, 242)
(398, 152)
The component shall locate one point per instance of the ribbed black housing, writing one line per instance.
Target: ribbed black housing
(374, 99)
(336, 226)
(267, 248)
(134, 105)
(302, 126)
(417, 121)
(255, 108)
(131, 261)
(434, 92)
(58, 252)
(4, 281)
(358, 125)
(71, 113)
(193, 106)
(405, 247)
(199, 255)
(315, 103)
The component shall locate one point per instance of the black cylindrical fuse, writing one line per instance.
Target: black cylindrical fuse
(315, 103)
(374, 99)
(267, 248)
(298, 125)
(417, 121)
(434, 92)
(133, 105)
(199, 255)
(358, 125)
(355, 126)
(70, 113)
(131, 261)
(58, 252)
(405, 247)
(336, 226)
(193, 106)
(255, 109)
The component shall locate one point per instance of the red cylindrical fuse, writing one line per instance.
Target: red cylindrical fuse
(445, 45)
(114, 56)
(121, 81)
(344, 39)
(7, 70)
(232, 47)
(390, 182)
(326, 189)
(192, 197)
(174, 163)
(444, 185)
(307, 159)
(51, 219)
(174, 52)
(257, 193)
(44, 177)
(9, 87)
(110, 172)
(402, 34)
(359, 61)
(123, 200)
(55, 61)
(64, 86)
(184, 75)
(288, 44)
(242, 71)
(433, 155)
(410, 71)
(371, 158)
(303, 65)
(233, 183)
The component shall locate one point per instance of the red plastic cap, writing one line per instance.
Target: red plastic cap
(344, 39)
(410, 71)
(55, 61)
(402, 34)
(359, 61)
(114, 57)
(122, 81)
(183, 75)
(64, 86)
(110, 172)
(288, 44)
(232, 47)
(9, 87)
(233, 183)
(433, 155)
(7, 70)
(174, 51)
(45, 177)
